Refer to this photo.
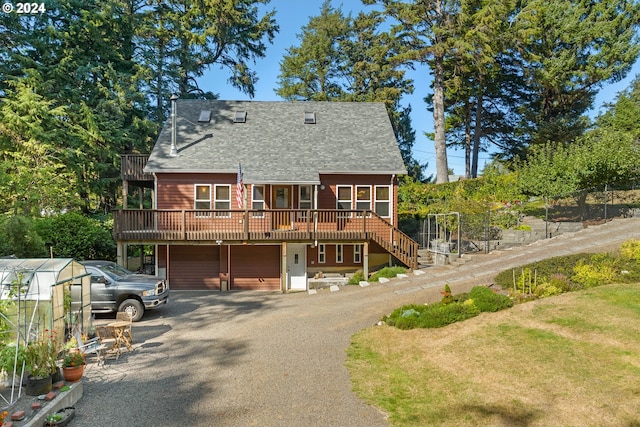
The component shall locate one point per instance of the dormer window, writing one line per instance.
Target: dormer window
(240, 117)
(309, 118)
(205, 116)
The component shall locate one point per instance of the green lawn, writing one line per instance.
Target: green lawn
(569, 360)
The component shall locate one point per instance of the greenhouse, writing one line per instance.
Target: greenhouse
(48, 297)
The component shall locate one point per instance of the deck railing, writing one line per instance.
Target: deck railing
(263, 225)
(132, 165)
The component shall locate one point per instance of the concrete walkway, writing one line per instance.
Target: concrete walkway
(257, 359)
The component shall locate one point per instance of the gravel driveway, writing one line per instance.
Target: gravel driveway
(258, 359)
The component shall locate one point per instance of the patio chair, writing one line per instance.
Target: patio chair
(96, 346)
(123, 316)
(108, 341)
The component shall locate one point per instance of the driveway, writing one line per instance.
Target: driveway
(258, 359)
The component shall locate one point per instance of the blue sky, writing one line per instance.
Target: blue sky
(291, 15)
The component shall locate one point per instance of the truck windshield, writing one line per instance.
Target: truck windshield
(115, 271)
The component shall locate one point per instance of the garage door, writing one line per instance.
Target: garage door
(194, 267)
(255, 268)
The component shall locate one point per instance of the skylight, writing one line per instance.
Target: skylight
(205, 116)
(240, 117)
(309, 118)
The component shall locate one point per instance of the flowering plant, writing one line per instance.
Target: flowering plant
(3, 415)
(40, 355)
(73, 359)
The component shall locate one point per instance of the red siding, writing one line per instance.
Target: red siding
(255, 267)
(176, 191)
(194, 267)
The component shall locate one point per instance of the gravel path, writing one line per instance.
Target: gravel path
(258, 359)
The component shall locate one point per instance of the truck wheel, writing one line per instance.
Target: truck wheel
(133, 307)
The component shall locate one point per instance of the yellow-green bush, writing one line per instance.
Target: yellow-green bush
(630, 250)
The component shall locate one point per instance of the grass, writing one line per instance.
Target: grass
(569, 360)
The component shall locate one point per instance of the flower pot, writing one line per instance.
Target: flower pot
(66, 415)
(57, 375)
(73, 373)
(37, 386)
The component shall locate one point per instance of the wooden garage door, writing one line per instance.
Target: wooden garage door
(255, 268)
(194, 267)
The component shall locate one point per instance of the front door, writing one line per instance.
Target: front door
(280, 200)
(296, 266)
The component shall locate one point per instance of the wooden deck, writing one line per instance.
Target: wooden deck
(238, 226)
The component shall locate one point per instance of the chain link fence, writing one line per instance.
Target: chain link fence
(516, 223)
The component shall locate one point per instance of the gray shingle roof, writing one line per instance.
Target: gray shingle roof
(275, 146)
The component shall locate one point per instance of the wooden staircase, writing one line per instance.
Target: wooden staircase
(398, 244)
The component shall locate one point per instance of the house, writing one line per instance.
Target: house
(263, 195)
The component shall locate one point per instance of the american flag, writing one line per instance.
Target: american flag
(239, 188)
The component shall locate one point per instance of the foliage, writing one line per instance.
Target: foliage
(77, 236)
(41, 355)
(73, 359)
(450, 310)
(19, 237)
(357, 277)
(544, 270)
(630, 250)
(489, 301)
(595, 272)
(388, 272)
(10, 360)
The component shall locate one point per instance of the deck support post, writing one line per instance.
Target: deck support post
(365, 261)
(285, 275)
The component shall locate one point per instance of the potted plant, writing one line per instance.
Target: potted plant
(40, 358)
(73, 366)
(60, 418)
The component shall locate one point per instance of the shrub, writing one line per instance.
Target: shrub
(630, 250)
(544, 270)
(593, 274)
(487, 300)
(357, 277)
(387, 272)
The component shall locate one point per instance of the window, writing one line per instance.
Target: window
(257, 200)
(309, 118)
(383, 201)
(205, 116)
(344, 199)
(222, 200)
(322, 256)
(202, 200)
(304, 200)
(357, 254)
(240, 117)
(363, 198)
(339, 253)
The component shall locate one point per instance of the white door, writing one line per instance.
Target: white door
(297, 266)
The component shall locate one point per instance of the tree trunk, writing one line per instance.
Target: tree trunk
(467, 140)
(442, 167)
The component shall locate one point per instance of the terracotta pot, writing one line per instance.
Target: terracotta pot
(73, 373)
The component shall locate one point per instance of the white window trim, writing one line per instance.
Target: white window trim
(215, 200)
(339, 253)
(357, 254)
(375, 200)
(369, 201)
(263, 201)
(338, 200)
(196, 201)
(322, 253)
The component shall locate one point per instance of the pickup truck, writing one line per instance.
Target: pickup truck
(114, 288)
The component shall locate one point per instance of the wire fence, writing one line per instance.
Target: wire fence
(517, 223)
